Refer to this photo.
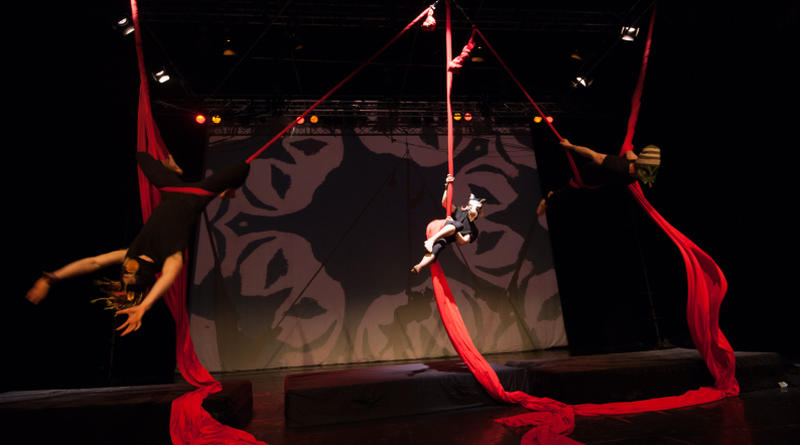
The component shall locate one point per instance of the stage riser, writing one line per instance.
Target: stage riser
(401, 390)
(640, 375)
(132, 415)
(387, 391)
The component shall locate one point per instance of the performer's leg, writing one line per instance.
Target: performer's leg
(426, 260)
(450, 228)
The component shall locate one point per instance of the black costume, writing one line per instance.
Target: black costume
(170, 226)
(614, 171)
(463, 226)
(168, 229)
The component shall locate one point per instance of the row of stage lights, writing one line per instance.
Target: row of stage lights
(216, 119)
(125, 26)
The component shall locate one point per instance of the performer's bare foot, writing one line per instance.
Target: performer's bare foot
(429, 245)
(415, 270)
(172, 165)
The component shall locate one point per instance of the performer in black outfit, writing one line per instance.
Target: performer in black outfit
(608, 170)
(160, 244)
(459, 228)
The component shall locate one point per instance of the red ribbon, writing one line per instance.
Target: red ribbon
(188, 190)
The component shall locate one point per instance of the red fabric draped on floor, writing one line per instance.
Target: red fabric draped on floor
(552, 419)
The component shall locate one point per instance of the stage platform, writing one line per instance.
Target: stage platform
(620, 377)
(114, 415)
(321, 398)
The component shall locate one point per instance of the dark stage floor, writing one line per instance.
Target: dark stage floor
(764, 413)
(766, 416)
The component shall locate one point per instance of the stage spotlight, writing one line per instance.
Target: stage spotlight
(124, 25)
(161, 76)
(296, 43)
(200, 119)
(537, 119)
(457, 116)
(549, 119)
(301, 120)
(467, 117)
(581, 82)
(629, 33)
(313, 119)
(216, 119)
(228, 49)
(476, 55)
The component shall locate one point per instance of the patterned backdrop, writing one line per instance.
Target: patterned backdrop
(310, 261)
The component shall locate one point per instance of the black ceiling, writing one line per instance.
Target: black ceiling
(535, 39)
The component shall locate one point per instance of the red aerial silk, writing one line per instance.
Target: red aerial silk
(189, 422)
(552, 420)
(706, 282)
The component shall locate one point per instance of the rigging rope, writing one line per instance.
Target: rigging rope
(573, 166)
(342, 82)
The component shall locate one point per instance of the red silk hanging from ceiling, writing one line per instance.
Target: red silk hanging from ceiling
(189, 422)
(552, 420)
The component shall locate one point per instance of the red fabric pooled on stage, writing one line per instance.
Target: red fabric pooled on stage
(552, 419)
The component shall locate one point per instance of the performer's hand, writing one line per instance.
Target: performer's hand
(39, 291)
(542, 207)
(565, 143)
(449, 179)
(134, 321)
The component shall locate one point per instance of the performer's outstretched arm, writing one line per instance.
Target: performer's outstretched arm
(41, 287)
(169, 272)
(586, 152)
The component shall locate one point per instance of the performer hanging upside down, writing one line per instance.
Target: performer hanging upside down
(159, 246)
(459, 228)
(608, 170)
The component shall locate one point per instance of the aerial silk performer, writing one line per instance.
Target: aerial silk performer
(553, 420)
(189, 422)
(459, 228)
(605, 170)
(152, 266)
